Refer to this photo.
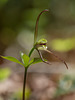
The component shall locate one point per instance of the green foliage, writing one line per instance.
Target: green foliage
(35, 60)
(4, 73)
(25, 59)
(12, 59)
(26, 62)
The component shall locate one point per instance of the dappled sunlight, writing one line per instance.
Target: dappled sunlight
(63, 45)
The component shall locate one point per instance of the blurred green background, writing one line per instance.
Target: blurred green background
(17, 23)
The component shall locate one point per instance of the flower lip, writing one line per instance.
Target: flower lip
(37, 45)
(42, 44)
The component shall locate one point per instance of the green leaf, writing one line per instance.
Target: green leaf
(12, 59)
(35, 60)
(25, 59)
(31, 61)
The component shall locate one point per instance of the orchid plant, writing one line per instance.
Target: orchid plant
(38, 46)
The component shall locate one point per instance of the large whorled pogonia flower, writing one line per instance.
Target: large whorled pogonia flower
(42, 44)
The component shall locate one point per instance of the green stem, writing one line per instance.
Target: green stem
(31, 51)
(36, 26)
(24, 84)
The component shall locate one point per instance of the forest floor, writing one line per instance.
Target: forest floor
(42, 81)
